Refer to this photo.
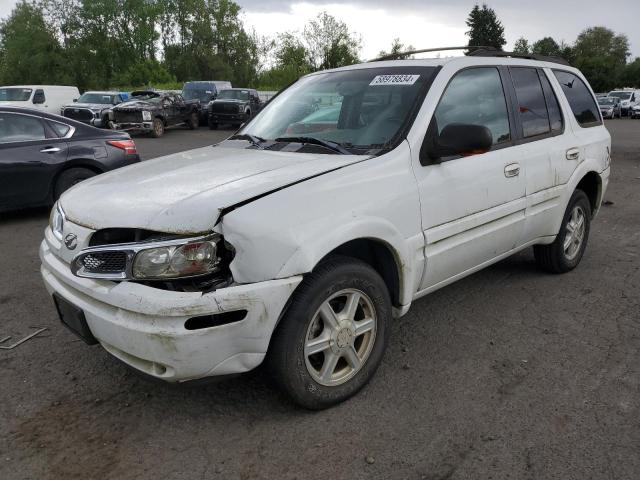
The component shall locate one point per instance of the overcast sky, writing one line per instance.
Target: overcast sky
(435, 23)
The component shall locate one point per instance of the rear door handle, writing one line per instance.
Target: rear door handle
(512, 170)
(50, 150)
(573, 154)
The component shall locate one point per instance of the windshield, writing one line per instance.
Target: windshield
(101, 98)
(196, 94)
(234, 94)
(148, 96)
(15, 94)
(621, 95)
(606, 101)
(357, 109)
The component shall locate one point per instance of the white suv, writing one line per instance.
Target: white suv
(353, 193)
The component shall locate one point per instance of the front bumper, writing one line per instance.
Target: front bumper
(138, 126)
(145, 327)
(227, 117)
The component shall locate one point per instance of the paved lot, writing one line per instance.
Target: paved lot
(508, 374)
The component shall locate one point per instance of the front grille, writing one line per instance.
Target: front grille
(224, 107)
(80, 114)
(123, 116)
(108, 262)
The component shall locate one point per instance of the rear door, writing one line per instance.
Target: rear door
(30, 152)
(472, 206)
(541, 145)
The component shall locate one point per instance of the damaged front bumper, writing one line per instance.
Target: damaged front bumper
(145, 326)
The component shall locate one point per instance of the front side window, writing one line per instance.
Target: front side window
(360, 109)
(38, 96)
(531, 104)
(582, 104)
(475, 96)
(20, 128)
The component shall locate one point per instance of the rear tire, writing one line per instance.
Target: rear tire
(158, 128)
(333, 335)
(565, 253)
(69, 178)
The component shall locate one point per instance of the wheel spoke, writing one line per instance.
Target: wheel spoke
(329, 365)
(351, 307)
(364, 326)
(317, 345)
(568, 240)
(329, 316)
(352, 358)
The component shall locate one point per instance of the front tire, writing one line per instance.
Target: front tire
(158, 128)
(69, 178)
(565, 253)
(332, 338)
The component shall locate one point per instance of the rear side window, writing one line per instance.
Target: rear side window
(20, 128)
(476, 96)
(555, 114)
(532, 107)
(580, 99)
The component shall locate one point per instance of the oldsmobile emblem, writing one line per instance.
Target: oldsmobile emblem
(71, 241)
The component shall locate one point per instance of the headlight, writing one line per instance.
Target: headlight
(146, 116)
(56, 221)
(190, 260)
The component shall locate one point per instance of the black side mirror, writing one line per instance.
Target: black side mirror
(456, 139)
(75, 100)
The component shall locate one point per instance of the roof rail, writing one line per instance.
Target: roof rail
(493, 52)
(400, 55)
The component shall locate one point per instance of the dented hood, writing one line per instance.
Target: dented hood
(185, 192)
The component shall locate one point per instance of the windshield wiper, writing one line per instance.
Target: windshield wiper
(336, 147)
(255, 141)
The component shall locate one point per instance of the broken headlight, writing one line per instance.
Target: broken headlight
(176, 261)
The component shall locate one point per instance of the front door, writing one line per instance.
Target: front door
(473, 207)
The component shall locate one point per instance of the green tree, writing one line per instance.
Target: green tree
(329, 43)
(631, 74)
(395, 52)
(29, 51)
(601, 55)
(546, 46)
(484, 28)
(522, 46)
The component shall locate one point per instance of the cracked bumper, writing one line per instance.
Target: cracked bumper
(145, 327)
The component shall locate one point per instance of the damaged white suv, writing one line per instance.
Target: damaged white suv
(300, 238)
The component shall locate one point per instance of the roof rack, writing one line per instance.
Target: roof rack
(478, 51)
(494, 52)
(399, 55)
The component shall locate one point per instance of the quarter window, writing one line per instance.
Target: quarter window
(531, 105)
(475, 96)
(20, 128)
(553, 107)
(61, 129)
(582, 104)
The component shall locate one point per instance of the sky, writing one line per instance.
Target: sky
(437, 23)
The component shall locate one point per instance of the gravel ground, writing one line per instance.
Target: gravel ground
(508, 374)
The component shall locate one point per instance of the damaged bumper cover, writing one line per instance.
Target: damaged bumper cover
(145, 327)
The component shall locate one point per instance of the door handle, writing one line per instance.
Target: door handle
(50, 150)
(512, 170)
(573, 154)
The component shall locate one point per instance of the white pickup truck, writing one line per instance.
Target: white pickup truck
(298, 240)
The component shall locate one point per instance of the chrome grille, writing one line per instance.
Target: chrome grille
(108, 262)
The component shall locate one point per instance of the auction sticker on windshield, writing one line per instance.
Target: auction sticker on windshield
(394, 79)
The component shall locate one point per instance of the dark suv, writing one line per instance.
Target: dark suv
(234, 106)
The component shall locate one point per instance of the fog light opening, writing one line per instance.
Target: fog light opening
(215, 320)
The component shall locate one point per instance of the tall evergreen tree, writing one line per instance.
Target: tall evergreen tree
(484, 28)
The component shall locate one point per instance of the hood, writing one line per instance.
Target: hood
(90, 106)
(229, 100)
(185, 192)
(134, 104)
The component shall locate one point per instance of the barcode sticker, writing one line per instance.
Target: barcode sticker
(394, 79)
